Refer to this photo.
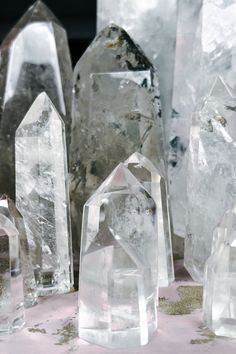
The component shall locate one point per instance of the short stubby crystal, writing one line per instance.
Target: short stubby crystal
(12, 317)
(211, 172)
(8, 208)
(219, 305)
(42, 195)
(119, 268)
(147, 174)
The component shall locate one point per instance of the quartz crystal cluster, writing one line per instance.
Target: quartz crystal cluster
(211, 172)
(147, 174)
(12, 317)
(42, 195)
(8, 208)
(34, 58)
(219, 306)
(152, 24)
(119, 264)
(116, 112)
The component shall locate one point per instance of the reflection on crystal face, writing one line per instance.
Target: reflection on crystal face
(34, 58)
(8, 208)
(116, 112)
(211, 171)
(12, 316)
(118, 272)
(147, 174)
(219, 306)
(42, 195)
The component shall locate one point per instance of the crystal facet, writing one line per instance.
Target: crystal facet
(119, 268)
(34, 58)
(42, 195)
(219, 305)
(8, 208)
(116, 112)
(147, 174)
(211, 171)
(152, 24)
(12, 317)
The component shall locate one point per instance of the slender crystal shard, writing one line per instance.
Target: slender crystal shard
(12, 317)
(34, 58)
(152, 24)
(219, 305)
(186, 75)
(147, 174)
(119, 268)
(116, 112)
(8, 208)
(211, 171)
(42, 195)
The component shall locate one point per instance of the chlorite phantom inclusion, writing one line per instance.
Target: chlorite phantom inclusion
(8, 208)
(12, 317)
(119, 268)
(116, 112)
(219, 305)
(42, 195)
(147, 174)
(211, 172)
(152, 24)
(34, 58)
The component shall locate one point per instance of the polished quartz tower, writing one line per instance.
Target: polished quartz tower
(8, 208)
(12, 317)
(219, 305)
(116, 112)
(34, 58)
(211, 173)
(42, 195)
(147, 174)
(118, 269)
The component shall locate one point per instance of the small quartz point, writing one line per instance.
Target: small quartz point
(119, 264)
(8, 208)
(116, 111)
(152, 24)
(42, 195)
(12, 316)
(219, 303)
(147, 174)
(35, 57)
(211, 166)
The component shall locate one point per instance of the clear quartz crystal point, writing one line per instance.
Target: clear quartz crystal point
(119, 267)
(116, 111)
(42, 195)
(8, 208)
(219, 304)
(35, 57)
(211, 172)
(147, 174)
(152, 24)
(12, 317)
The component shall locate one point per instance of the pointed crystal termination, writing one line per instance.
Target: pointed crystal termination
(8, 208)
(211, 171)
(157, 18)
(34, 58)
(147, 174)
(116, 112)
(42, 195)
(119, 267)
(219, 304)
(12, 316)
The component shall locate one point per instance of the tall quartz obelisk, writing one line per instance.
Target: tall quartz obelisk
(116, 111)
(42, 195)
(34, 58)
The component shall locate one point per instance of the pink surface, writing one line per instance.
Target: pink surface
(52, 327)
